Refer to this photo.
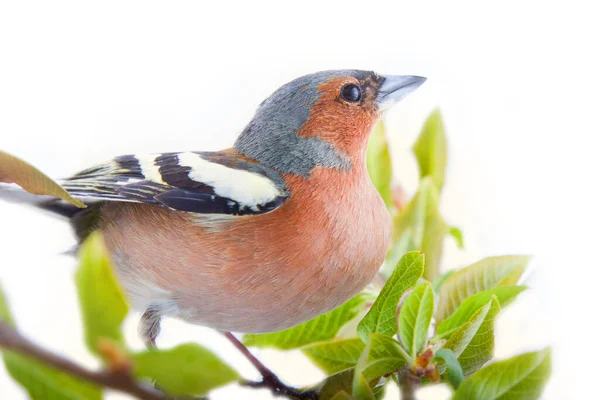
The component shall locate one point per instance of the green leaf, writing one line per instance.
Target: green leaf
(339, 387)
(484, 275)
(504, 294)
(381, 318)
(5, 314)
(189, 369)
(360, 384)
(430, 149)
(421, 227)
(41, 381)
(401, 245)
(381, 356)
(102, 302)
(519, 378)
(385, 356)
(452, 367)
(336, 356)
(336, 387)
(379, 163)
(473, 342)
(32, 180)
(319, 329)
(379, 389)
(458, 237)
(340, 396)
(438, 283)
(415, 317)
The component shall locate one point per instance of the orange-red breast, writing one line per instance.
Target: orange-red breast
(278, 229)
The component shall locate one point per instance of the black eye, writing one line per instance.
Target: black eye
(351, 93)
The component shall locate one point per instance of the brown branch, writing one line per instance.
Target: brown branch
(11, 339)
(123, 382)
(269, 379)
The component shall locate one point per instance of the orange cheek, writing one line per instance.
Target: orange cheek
(346, 126)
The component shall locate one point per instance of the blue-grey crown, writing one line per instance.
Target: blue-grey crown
(271, 136)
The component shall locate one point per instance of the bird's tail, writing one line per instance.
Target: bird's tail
(36, 188)
(14, 194)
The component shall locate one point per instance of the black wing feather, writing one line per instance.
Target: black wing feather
(123, 179)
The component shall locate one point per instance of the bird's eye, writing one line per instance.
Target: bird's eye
(351, 93)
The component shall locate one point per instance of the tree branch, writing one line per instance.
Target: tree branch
(11, 339)
(123, 382)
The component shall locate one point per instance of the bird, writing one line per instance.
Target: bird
(283, 226)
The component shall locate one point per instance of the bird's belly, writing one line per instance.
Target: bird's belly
(251, 275)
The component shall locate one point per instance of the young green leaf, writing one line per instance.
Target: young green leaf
(339, 387)
(519, 378)
(381, 318)
(5, 314)
(385, 356)
(456, 233)
(415, 317)
(336, 387)
(438, 282)
(381, 356)
(41, 381)
(430, 149)
(32, 180)
(340, 396)
(379, 389)
(421, 227)
(189, 369)
(103, 305)
(336, 356)
(473, 342)
(319, 329)
(451, 366)
(379, 163)
(484, 275)
(504, 294)
(360, 384)
(401, 245)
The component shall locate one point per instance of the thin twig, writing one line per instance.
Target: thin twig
(269, 379)
(11, 339)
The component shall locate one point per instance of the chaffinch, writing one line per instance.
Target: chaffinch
(278, 229)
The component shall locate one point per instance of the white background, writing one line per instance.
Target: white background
(517, 82)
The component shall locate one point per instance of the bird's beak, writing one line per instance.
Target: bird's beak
(395, 87)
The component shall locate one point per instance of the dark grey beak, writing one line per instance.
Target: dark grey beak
(395, 87)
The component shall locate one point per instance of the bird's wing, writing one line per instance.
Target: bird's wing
(198, 182)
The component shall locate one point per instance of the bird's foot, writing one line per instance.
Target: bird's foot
(269, 379)
(278, 388)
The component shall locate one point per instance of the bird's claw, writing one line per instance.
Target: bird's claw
(279, 388)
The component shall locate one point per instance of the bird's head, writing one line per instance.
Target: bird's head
(322, 119)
